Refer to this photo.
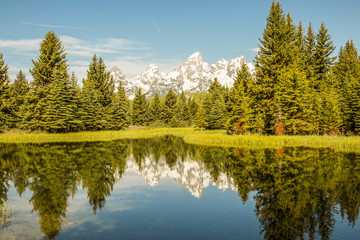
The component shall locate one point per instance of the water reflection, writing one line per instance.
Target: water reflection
(297, 191)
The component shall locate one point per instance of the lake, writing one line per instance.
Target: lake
(163, 188)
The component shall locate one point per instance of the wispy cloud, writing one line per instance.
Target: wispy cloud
(131, 56)
(52, 26)
(157, 28)
(254, 49)
(79, 47)
(21, 44)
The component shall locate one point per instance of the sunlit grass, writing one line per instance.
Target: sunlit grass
(192, 136)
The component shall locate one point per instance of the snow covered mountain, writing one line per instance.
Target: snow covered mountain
(193, 75)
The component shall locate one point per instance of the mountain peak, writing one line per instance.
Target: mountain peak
(193, 75)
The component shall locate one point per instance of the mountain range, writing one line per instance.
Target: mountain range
(194, 75)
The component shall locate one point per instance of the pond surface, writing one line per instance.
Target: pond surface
(163, 188)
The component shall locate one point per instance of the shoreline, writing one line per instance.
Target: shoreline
(191, 136)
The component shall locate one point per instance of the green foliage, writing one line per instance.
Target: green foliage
(200, 117)
(322, 56)
(4, 92)
(156, 111)
(215, 108)
(239, 102)
(347, 74)
(119, 108)
(275, 55)
(139, 108)
(100, 79)
(170, 105)
(49, 67)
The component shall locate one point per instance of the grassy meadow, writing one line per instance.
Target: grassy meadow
(192, 136)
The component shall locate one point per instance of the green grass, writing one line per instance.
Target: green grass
(192, 136)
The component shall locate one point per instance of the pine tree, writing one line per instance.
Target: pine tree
(156, 111)
(118, 115)
(4, 92)
(347, 74)
(276, 53)
(59, 113)
(182, 114)
(323, 49)
(240, 112)
(91, 116)
(200, 117)
(100, 87)
(140, 107)
(331, 122)
(293, 98)
(309, 52)
(52, 58)
(193, 108)
(101, 80)
(18, 92)
(215, 108)
(170, 105)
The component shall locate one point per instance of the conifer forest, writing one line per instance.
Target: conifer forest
(300, 87)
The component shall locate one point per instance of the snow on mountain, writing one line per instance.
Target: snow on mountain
(193, 75)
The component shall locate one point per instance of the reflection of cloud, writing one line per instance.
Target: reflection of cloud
(52, 26)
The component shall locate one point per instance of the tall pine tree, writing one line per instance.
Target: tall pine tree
(274, 55)
(118, 115)
(4, 92)
(347, 74)
(50, 64)
(139, 108)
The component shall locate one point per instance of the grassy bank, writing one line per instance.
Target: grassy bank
(209, 138)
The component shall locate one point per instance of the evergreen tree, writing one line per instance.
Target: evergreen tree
(18, 92)
(98, 88)
(309, 52)
(4, 92)
(59, 112)
(293, 98)
(140, 107)
(240, 112)
(170, 104)
(323, 49)
(331, 121)
(51, 60)
(91, 114)
(200, 117)
(193, 108)
(118, 115)
(215, 108)
(156, 110)
(182, 114)
(101, 80)
(347, 74)
(275, 54)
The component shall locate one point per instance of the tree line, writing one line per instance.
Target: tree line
(298, 88)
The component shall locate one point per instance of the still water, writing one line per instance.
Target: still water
(163, 188)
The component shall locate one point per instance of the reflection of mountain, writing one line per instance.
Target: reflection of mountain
(192, 174)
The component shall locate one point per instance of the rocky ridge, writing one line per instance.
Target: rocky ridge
(192, 76)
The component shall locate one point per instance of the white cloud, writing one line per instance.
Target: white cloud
(132, 57)
(21, 44)
(254, 49)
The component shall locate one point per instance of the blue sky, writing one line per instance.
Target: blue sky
(134, 34)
